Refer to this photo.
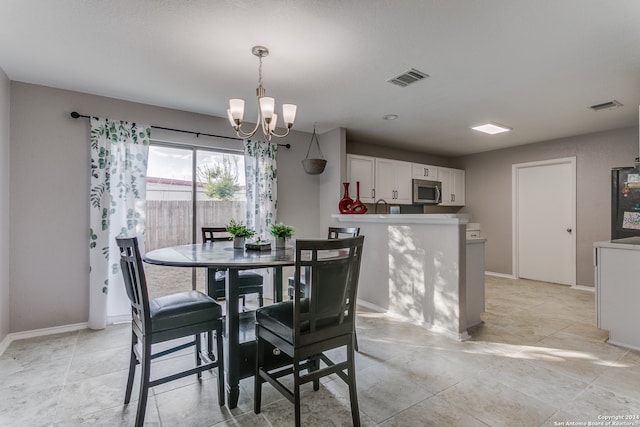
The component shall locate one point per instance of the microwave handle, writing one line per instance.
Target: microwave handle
(438, 194)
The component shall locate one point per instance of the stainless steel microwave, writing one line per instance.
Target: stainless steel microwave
(426, 192)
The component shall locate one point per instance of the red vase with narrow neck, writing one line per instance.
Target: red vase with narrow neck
(345, 203)
(358, 207)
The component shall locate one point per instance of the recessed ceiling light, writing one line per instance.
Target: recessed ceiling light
(391, 117)
(491, 128)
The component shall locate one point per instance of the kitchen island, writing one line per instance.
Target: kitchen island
(420, 267)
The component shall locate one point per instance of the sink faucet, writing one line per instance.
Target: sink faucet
(385, 205)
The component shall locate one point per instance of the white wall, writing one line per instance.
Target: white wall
(5, 97)
(49, 197)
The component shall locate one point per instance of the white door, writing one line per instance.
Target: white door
(544, 221)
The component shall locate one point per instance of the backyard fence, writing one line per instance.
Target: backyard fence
(169, 221)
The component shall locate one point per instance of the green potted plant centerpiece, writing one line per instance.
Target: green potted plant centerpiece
(239, 233)
(281, 232)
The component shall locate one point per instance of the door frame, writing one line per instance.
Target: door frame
(515, 214)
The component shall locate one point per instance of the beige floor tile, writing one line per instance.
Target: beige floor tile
(537, 359)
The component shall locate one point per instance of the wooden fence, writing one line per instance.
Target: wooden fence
(169, 221)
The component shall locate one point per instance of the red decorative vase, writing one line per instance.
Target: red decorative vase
(358, 207)
(345, 203)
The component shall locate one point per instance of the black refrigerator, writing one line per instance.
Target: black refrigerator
(625, 202)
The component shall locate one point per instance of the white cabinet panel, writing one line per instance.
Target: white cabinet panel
(618, 294)
(393, 181)
(361, 168)
(424, 172)
(453, 193)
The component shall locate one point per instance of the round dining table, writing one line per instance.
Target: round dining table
(239, 357)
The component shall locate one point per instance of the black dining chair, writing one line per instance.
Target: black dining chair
(166, 318)
(332, 233)
(248, 283)
(307, 326)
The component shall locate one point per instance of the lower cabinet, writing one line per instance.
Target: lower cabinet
(617, 268)
(452, 186)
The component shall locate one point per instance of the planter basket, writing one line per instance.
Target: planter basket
(314, 166)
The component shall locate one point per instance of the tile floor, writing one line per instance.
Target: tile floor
(537, 360)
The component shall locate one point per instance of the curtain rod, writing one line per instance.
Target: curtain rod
(76, 115)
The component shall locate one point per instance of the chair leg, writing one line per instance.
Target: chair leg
(198, 357)
(133, 361)
(260, 299)
(355, 342)
(315, 367)
(144, 381)
(296, 391)
(257, 385)
(353, 392)
(220, 359)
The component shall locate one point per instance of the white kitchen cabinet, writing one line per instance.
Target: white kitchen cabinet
(452, 186)
(428, 172)
(362, 169)
(617, 268)
(393, 181)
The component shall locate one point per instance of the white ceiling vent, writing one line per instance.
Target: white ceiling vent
(605, 105)
(408, 77)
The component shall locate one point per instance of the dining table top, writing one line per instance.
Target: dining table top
(219, 254)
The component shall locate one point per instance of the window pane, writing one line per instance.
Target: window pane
(169, 214)
(220, 189)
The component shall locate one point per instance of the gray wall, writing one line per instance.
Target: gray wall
(49, 198)
(5, 91)
(488, 191)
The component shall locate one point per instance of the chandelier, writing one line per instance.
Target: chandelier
(267, 119)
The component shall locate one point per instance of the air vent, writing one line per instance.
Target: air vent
(605, 105)
(408, 77)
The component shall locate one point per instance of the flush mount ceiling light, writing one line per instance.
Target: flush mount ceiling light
(390, 117)
(491, 128)
(267, 119)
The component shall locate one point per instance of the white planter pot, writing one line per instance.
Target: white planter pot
(238, 243)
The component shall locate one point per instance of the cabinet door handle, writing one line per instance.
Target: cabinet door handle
(426, 171)
(373, 193)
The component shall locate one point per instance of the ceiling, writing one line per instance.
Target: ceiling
(531, 65)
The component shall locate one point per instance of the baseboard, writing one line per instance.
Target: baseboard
(4, 344)
(506, 276)
(439, 330)
(584, 288)
(39, 333)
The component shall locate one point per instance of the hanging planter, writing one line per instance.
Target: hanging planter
(314, 166)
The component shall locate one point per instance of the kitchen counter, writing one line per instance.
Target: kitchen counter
(421, 268)
(617, 268)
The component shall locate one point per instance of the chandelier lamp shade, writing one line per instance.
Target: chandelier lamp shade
(267, 118)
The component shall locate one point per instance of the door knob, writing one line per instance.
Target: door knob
(569, 230)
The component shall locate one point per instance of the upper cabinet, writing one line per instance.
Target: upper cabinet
(393, 181)
(424, 172)
(362, 169)
(452, 186)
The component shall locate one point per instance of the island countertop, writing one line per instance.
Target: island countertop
(405, 218)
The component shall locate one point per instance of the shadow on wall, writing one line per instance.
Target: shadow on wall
(419, 281)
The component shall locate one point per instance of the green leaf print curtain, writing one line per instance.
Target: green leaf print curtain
(119, 152)
(261, 177)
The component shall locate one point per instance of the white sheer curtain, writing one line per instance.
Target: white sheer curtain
(119, 152)
(262, 185)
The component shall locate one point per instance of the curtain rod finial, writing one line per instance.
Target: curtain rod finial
(74, 114)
